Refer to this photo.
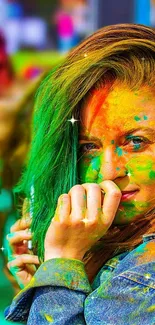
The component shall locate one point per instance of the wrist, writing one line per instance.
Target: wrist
(59, 253)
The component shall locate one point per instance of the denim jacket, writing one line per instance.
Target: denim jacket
(123, 292)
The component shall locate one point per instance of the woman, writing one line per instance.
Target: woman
(92, 165)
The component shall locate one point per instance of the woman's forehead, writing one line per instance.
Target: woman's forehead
(120, 108)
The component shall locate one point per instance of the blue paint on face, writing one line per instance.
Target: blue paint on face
(119, 151)
(137, 118)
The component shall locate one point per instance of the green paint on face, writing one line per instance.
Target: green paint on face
(137, 118)
(112, 141)
(119, 151)
(147, 165)
(140, 168)
(96, 164)
(100, 178)
(117, 168)
(145, 117)
(152, 174)
(89, 169)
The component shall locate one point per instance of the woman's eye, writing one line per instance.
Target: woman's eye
(86, 147)
(137, 142)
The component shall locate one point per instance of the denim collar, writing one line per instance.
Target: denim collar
(148, 237)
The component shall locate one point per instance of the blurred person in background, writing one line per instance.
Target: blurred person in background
(152, 18)
(81, 19)
(65, 26)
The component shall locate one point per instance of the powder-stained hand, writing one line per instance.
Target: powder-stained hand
(81, 218)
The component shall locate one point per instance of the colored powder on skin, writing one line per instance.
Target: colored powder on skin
(119, 151)
(145, 117)
(91, 175)
(152, 174)
(117, 168)
(85, 197)
(145, 166)
(141, 167)
(137, 118)
(89, 169)
(142, 204)
(97, 103)
(100, 178)
(112, 141)
(49, 318)
(95, 163)
(126, 212)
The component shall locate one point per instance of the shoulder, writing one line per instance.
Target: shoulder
(139, 265)
(133, 264)
(142, 257)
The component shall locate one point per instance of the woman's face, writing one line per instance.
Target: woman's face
(117, 142)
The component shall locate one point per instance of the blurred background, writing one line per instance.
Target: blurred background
(34, 37)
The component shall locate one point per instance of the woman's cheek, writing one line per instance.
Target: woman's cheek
(142, 169)
(89, 169)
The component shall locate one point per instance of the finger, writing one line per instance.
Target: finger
(20, 261)
(93, 193)
(63, 208)
(21, 224)
(78, 202)
(111, 201)
(18, 237)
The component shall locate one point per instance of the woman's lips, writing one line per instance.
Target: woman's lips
(128, 195)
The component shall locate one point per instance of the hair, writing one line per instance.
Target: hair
(124, 52)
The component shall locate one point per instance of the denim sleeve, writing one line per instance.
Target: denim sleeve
(55, 295)
(63, 302)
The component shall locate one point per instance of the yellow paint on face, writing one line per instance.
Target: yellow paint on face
(120, 127)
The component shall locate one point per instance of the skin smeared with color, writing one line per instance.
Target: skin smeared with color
(127, 158)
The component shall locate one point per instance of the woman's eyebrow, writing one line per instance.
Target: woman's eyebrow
(93, 138)
(145, 129)
(90, 138)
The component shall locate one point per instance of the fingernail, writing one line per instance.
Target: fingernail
(28, 219)
(28, 231)
(10, 235)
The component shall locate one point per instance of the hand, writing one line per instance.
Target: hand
(22, 264)
(80, 219)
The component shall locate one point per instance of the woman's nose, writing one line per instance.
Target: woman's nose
(113, 164)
